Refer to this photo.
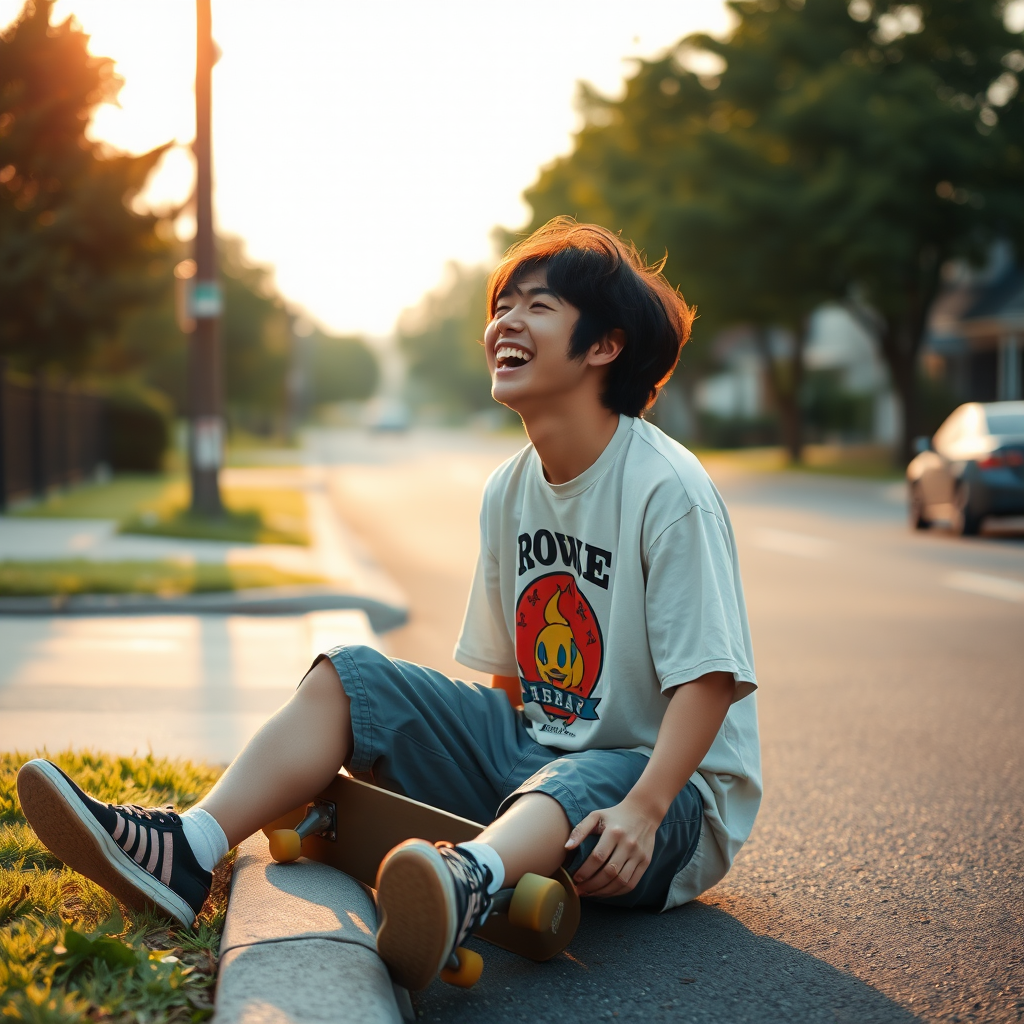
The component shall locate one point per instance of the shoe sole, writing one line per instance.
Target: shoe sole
(77, 838)
(415, 901)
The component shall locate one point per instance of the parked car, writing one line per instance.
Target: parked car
(972, 468)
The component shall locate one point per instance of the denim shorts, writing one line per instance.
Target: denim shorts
(462, 747)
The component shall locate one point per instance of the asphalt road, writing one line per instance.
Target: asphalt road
(883, 881)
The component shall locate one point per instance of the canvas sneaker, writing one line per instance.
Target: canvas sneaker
(429, 898)
(139, 854)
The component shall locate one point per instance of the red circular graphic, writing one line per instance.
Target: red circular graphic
(558, 642)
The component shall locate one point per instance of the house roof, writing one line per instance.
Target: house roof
(1002, 298)
(981, 306)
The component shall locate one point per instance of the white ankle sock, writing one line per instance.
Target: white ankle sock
(205, 836)
(488, 857)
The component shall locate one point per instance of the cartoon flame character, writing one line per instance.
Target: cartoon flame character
(558, 660)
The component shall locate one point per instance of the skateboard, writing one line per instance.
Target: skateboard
(352, 825)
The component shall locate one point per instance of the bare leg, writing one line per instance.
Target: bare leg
(530, 836)
(292, 757)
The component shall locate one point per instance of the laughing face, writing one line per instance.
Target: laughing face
(527, 345)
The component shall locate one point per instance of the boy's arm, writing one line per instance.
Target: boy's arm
(510, 684)
(695, 713)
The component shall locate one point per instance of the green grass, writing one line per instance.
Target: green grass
(78, 576)
(115, 499)
(68, 953)
(158, 506)
(873, 462)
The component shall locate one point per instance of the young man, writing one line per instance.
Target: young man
(607, 603)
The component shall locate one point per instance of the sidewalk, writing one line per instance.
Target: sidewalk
(183, 682)
(332, 554)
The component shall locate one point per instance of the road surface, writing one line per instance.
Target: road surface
(884, 880)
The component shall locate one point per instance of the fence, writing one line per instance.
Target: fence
(51, 435)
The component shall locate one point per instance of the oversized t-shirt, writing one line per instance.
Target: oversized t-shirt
(603, 594)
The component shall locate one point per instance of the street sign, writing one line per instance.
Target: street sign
(206, 300)
(207, 442)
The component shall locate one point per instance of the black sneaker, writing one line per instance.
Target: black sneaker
(139, 854)
(429, 899)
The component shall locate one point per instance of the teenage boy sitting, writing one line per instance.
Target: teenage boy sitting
(607, 602)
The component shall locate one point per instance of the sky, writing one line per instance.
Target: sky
(358, 147)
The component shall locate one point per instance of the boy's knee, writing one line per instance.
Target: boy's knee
(322, 678)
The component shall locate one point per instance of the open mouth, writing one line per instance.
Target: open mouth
(509, 356)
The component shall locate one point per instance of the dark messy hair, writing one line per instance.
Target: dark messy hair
(612, 286)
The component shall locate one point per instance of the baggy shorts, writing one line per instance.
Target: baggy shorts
(460, 746)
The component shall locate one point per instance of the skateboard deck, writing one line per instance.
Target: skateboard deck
(372, 821)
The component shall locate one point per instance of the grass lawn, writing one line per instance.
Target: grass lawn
(78, 576)
(158, 505)
(872, 462)
(68, 953)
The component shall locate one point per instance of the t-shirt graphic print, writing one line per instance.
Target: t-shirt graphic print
(559, 648)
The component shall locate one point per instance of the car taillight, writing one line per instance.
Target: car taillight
(997, 460)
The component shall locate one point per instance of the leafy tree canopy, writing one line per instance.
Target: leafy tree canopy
(342, 368)
(441, 340)
(840, 150)
(74, 257)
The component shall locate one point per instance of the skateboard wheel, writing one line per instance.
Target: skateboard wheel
(537, 903)
(467, 974)
(285, 845)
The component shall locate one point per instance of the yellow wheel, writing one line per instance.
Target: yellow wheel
(537, 904)
(471, 966)
(285, 845)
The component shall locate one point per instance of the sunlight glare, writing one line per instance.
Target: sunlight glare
(358, 148)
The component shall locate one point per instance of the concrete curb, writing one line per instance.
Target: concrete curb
(298, 947)
(383, 614)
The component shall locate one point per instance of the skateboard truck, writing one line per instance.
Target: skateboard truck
(321, 819)
(536, 904)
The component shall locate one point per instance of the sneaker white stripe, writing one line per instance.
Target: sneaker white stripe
(130, 841)
(120, 826)
(154, 850)
(165, 868)
(163, 896)
(141, 851)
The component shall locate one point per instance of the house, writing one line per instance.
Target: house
(840, 356)
(976, 333)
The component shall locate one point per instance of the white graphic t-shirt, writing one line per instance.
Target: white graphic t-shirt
(603, 593)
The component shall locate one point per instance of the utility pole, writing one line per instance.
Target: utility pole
(206, 422)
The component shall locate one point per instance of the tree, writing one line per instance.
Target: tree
(441, 340)
(887, 113)
(841, 151)
(342, 369)
(74, 256)
(256, 340)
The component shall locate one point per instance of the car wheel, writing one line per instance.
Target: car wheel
(915, 509)
(966, 522)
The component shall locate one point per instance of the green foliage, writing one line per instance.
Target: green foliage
(74, 258)
(138, 430)
(67, 952)
(340, 369)
(256, 338)
(830, 410)
(840, 153)
(114, 499)
(441, 339)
